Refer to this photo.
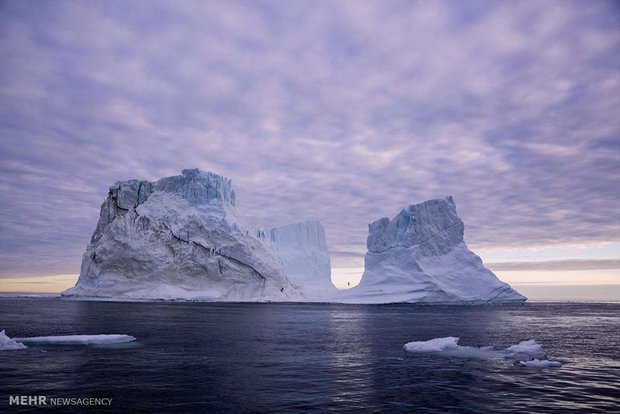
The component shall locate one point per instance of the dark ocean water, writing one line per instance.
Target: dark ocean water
(197, 357)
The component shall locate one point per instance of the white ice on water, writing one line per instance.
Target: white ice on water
(7, 343)
(537, 363)
(102, 339)
(526, 353)
(432, 345)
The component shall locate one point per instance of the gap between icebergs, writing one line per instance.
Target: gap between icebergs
(526, 353)
(7, 343)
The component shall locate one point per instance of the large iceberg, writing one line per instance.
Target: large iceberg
(420, 257)
(301, 249)
(178, 238)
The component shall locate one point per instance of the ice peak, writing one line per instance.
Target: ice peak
(416, 224)
(198, 187)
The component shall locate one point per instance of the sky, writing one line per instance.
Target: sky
(345, 111)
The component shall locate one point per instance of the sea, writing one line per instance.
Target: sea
(317, 358)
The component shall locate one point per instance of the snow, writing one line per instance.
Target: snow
(527, 353)
(420, 256)
(301, 249)
(102, 339)
(178, 239)
(8, 344)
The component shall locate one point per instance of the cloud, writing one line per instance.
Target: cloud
(337, 110)
(576, 264)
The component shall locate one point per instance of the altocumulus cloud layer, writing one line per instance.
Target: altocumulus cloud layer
(345, 111)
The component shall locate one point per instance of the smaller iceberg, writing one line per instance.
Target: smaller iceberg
(526, 353)
(8, 344)
(102, 339)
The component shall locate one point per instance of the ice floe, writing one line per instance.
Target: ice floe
(102, 339)
(537, 363)
(526, 353)
(7, 344)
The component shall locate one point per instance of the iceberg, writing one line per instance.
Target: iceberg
(8, 344)
(178, 238)
(301, 249)
(420, 256)
(526, 353)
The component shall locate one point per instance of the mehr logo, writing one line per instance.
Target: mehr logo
(41, 400)
(27, 400)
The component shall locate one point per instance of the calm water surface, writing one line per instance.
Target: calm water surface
(197, 357)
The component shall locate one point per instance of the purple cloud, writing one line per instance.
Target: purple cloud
(344, 111)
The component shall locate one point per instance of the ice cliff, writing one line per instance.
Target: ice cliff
(420, 257)
(301, 249)
(178, 238)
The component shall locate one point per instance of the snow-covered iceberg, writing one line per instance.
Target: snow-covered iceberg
(526, 353)
(301, 249)
(420, 257)
(178, 238)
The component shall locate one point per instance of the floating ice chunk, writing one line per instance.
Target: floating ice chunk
(7, 344)
(537, 363)
(527, 353)
(449, 346)
(77, 340)
(433, 345)
(527, 350)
